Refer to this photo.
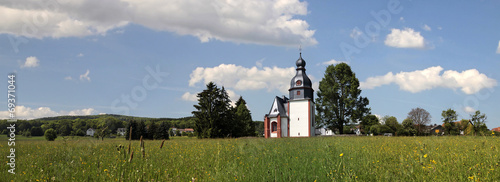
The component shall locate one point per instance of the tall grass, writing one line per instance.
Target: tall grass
(287, 159)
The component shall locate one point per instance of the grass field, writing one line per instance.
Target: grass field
(255, 159)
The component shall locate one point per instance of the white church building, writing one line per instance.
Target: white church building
(294, 116)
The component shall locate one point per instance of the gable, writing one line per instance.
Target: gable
(278, 107)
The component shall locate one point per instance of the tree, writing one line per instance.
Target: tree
(164, 131)
(420, 118)
(50, 134)
(213, 114)
(243, 119)
(369, 121)
(449, 116)
(408, 128)
(478, 121)
(131, 124)
(339, 101)
(36, 131)
(392, 123)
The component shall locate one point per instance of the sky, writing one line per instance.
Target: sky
(150, 58)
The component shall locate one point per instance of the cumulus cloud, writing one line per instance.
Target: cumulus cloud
(406, 38)
(23, 112)
(241, 78)
(79, 55)
(468, 81)
(498, 49)
(427, 28)
(189, 96)
(332, 61)
(31, 62)
(270, 22)
(85, 76)
(68, 78)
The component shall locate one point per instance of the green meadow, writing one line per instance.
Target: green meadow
(456, 158)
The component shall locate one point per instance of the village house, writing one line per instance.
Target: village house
(90, 132)
(121, 131)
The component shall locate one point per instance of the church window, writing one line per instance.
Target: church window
(274, 126)
(298, 92)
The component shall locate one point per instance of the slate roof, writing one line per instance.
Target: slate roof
(278, 107)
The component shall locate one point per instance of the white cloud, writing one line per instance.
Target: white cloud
(401, 19)
(241, 78)
(79, 55)
(469, 109)
(23, 112)
(68, 78)
(266, 22)
(406, 38)
(498, 48)
(469, 81)
(189, 96)
(31, 62)
(426, 28)
(332, 61)
(85, 76)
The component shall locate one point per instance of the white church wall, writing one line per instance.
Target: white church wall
(299, 118)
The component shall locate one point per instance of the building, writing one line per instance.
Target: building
(294, 116)
(497, 129)
(121, 131)
(90, 131)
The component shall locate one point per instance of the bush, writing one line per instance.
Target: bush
(50, 134)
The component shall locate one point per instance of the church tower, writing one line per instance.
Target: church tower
(294, 116)
(301, 103)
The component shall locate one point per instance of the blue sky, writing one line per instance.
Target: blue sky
(150, 58)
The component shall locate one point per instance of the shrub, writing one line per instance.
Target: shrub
(50, 134)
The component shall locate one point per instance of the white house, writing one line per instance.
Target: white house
(90, 132)
(121, 131)
(293, 117)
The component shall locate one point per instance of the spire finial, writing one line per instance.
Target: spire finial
(300, 50)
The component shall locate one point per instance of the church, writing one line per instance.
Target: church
(294, 116)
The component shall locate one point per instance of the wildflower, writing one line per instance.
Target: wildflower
(342, 154)
(425, 156)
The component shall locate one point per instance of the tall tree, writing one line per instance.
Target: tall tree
(244, 119)
(479, 122)
(392, 123)
(408, 127)
(420, 118)
(449, 116)
(213, 113)
(339, 101)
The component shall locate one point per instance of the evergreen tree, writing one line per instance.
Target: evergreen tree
(244, 119)
(163, 130)
(133, 124)
(213, 115)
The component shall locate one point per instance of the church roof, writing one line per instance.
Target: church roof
(300, 79)
(278, 107)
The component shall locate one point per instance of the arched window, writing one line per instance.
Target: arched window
(274, 126)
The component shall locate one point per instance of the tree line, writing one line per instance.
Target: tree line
(340, 107)
(105, 125)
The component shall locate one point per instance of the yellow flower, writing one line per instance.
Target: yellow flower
(105, 170)
(472, 177)
(425, 156)
(341, 154)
